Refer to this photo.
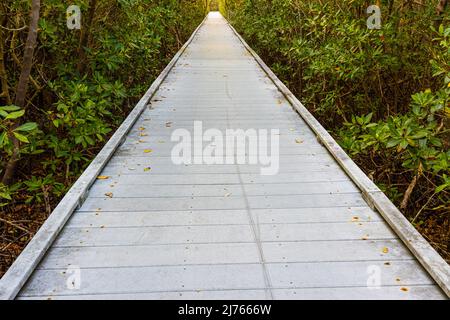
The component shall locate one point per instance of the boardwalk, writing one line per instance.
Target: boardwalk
(155, 230)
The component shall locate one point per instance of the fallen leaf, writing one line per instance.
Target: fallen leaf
(148, 150)
(147, 169)
(366, 237)
(103, 177)
(404, 289)
(298, 141)
(387, 263)
(109, 194)
(227, 194)
(141, 128)
(168, 124)
(397, 279)
(355, 218)
(142, 134)
(385, 250)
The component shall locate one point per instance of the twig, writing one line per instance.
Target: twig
(408, 192)
(15, 225)
(424, 206)
(13, 29)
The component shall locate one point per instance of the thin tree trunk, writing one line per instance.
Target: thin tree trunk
(22, 86)
(84, 37)
(27, 61)
(3, 74)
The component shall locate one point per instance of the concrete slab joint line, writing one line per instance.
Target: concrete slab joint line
(319, 229)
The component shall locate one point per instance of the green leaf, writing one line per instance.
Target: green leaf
(21, 137)
(29, 126)
(5, 195)
(2, 138)
(10, 108)
(15, 115)
(441, 187)
(392, 143)
(420, 135)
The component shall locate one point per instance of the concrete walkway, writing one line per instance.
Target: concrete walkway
(151, 229)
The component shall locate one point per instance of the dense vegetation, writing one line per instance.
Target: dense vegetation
(81, 86)
(383, 93)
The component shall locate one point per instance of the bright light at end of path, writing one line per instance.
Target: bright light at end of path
(214, 14)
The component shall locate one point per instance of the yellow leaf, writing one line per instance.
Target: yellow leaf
(143, 134)
(148, 150)
(385, 250)
(448, 85)
(404, 289)
(355, 219)
(298, 141)
(147, 169)
(109, 194)
(103, 177)
(141, 128)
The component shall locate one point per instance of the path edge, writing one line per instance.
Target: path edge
(22, 268)
(433, 263)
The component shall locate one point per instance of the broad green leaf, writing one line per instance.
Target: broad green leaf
(10, 108)
(15, 115)
(392, 143)
(21, 137)
(29, 126)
